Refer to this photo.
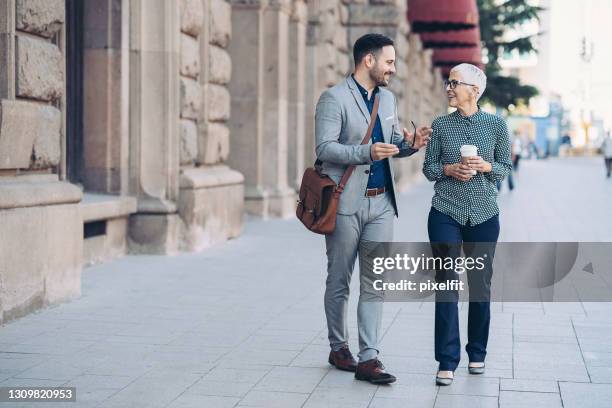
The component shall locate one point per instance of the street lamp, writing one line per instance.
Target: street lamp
(586, 55)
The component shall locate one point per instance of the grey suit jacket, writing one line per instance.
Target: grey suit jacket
(341, 122)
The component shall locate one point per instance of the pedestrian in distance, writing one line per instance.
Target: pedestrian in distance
(606, 150)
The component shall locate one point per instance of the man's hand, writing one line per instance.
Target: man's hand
(423, 134)
(380, 151)
(477, 163)
(459, 171)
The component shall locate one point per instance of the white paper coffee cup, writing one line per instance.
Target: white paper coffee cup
(469, 151)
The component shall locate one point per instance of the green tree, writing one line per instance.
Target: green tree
(496, 17)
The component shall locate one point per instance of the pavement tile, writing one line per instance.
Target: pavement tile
(597, 359)
(578, 374)
(200, 401)
(463, 401)
(292, 379)
(576, 395)
(509, 384)
(313, 356)
(473, 385)
(516, 399)
(151, 392)
(600, 374)
(206, 386)
(349, 397)
(51, 370)
(415, 400)
(268, 399)
(236, 375)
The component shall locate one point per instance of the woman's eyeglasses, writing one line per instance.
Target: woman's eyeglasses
(453, 83)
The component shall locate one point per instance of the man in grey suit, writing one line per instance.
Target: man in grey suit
(368, 203)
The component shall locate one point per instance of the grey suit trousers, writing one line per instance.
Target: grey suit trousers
(373, 221)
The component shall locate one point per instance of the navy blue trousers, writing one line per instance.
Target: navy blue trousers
(447, 238)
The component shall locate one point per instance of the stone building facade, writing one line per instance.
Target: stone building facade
(288, 52)
(152, 126)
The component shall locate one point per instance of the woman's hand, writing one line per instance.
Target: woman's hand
(477, 163)
(459, 171)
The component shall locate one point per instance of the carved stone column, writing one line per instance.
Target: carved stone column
(413, 81)
(389, 18)
(260, 92)
(155, 98)
(296, 111)
(427, 81)
(106, 100)
(211, 201)
(327, 60)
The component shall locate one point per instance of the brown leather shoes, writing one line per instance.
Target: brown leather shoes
(374, 372)
(343, 360)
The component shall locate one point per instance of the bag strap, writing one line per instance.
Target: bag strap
(368, 135)
(366, 140)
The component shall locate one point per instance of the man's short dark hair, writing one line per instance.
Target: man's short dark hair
(369, 44)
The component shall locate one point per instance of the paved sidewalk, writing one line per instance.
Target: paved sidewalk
(242, 324)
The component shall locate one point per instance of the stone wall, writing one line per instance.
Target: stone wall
(179, 134)
(211, 193)
(40, 219)
(332, 27)
(192, 19)
(104, 167)
(193, 112)
(328, 59)
(38, 88)
(260, 102)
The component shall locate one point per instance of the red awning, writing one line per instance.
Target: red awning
(450, 28)
(451, 39)
(425, 15)
(457, 55)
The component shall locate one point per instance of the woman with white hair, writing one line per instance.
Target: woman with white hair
(468, 153)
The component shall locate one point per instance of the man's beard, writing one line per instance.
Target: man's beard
(378, 77)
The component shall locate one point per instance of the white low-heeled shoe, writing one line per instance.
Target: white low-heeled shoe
(443, 381)
(477, 370)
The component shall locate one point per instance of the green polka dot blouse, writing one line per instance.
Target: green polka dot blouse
(476, 199)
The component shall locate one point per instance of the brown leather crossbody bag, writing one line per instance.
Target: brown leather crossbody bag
(319, 194)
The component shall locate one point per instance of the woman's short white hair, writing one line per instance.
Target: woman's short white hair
(472, 75)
